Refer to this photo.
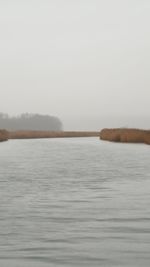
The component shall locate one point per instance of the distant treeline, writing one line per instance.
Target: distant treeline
(29, 121)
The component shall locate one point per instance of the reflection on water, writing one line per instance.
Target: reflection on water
(74, 202)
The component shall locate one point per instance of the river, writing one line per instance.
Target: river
(74, 202)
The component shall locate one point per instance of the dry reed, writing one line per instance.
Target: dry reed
(3, 135)
(126, 135)
(50, 134)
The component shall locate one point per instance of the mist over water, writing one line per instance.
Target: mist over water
(75, 58)
(74, 202)
(98, 122)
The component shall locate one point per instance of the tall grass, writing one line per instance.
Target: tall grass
(126, 135)
(50, 134)
(3, 135)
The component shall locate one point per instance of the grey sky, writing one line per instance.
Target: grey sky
(83, 58)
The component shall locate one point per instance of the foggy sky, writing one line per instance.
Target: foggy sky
(79, 59)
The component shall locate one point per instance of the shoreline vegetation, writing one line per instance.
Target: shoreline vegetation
(125, 135)
(4, 135)
(50, 134)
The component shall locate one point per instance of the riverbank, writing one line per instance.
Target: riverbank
(51, 134)
(126, 135)
(4, 135)
(123, 135)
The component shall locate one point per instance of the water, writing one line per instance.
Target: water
(74, 202)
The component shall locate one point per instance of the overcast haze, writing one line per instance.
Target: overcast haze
(83, 59)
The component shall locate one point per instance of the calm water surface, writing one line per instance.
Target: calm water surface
(74, 202)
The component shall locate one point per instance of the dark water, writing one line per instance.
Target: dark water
(74, 202)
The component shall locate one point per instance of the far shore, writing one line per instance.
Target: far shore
(51, 134)
(124, 135)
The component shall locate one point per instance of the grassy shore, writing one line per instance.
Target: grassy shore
(4, 135)
(126, 135)
(50, 134)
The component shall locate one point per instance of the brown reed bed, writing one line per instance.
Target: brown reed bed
(50, 134)
(126, 135)
(4, 135)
